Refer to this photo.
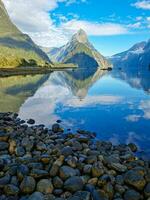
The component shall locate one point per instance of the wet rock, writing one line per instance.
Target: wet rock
(45, 186)
(66, 172)
(67, 151)
(28, 184)
(83, 195)
(132, 195)
(22, 171)
(147, 190)
(57, 182)
(31, 121)
(37, 173)
(135, 179)
(73, 184)
(118, 167)
(55, 128)
(20, 151)
(4, 180)
(133, 147)
(97, 170)
(11, 190)
(3, 146)
(3, 136)
(36, 196)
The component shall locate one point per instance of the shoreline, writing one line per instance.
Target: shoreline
(56, 164)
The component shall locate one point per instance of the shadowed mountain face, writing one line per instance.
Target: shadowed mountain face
(16, 46)
(79, 48)
(136, 57)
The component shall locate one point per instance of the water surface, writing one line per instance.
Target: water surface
(115, 105)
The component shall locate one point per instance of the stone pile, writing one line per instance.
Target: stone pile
(41, 164)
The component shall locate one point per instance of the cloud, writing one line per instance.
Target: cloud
(35, 19)
(97, 29)
(142, 4)
(133, 118)
(145, 107)
(93, 101)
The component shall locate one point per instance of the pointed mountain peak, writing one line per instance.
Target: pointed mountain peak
(80, 36)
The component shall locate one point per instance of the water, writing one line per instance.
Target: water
(115, 105)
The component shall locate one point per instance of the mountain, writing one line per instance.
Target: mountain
(79, 51)
(136, 56)
(16, 48)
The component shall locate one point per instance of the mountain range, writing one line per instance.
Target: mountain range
(16, 48)
(78, 51)
(136, 57)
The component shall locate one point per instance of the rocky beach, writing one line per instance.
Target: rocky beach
(41, 164)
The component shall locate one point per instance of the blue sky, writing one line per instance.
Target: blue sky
(112, 25)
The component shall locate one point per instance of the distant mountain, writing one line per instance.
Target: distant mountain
(136, 56)
(16, 48)
(79, 51)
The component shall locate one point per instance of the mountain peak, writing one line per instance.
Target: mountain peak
(80, 36)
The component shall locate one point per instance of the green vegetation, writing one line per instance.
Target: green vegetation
(17, 49)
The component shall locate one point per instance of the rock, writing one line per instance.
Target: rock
(97, 170)
(57, 182)
(72, 161)
(118, 167)
(83, 195)
(66, 172)
(31, 121)
(3, 146)
(87, 169)
(45, 186)
(20, 151)
(67, 151)
(135, 179)
(11, 190)
(73, 184)
(133, 147)
(36, 196)
(4, 180)
(41, 146)
(147, 190)
(132, 195)
(37, 173)
(91, 159)
(28, 184)
(3, 137)
(22, 171)
(12, 146)
(55, 128)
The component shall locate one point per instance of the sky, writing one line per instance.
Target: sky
(112, 26)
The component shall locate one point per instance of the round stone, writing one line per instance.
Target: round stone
(11, 190)
(73, 184)
(28, 185)
(45, 186)
(132, 195)
(36, 196)
(66, 172)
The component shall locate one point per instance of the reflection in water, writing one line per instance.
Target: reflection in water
(15, 90)
(116, 105)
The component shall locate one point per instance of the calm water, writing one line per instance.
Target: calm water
(115, 105)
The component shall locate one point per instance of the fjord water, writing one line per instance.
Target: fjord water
(115, 105)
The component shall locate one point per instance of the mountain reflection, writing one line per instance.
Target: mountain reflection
(15, 90)
(138, 78)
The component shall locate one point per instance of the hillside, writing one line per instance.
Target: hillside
(16, 48)
(136, 57)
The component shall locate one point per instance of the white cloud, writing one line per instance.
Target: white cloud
(142, 4)
(133, 118)
(34, 18)
(135, 25)
(96, 29)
